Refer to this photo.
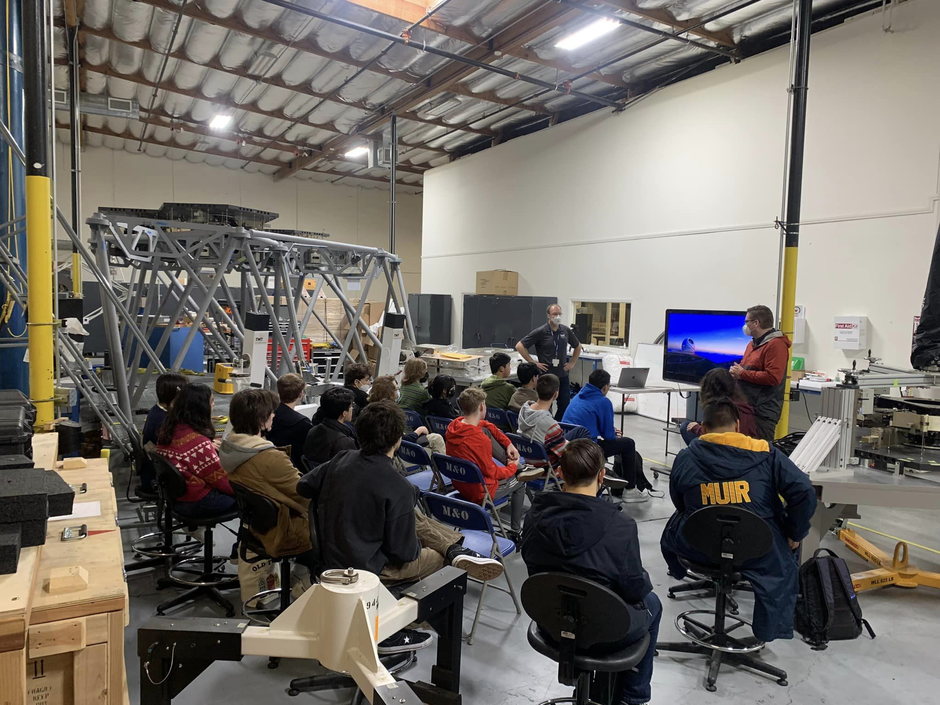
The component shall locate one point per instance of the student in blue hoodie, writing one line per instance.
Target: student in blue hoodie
(592, 409)
(576, 532)
(724, 466)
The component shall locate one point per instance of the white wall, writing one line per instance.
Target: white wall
(672, 203)
(348, 213)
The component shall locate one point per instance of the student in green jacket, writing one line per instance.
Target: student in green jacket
(413, 394)
(498, 391)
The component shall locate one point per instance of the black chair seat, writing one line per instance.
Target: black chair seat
(147, 496)
(621, 660)
(709, 571)
(207, 521)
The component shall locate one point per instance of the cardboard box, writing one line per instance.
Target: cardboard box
(498, 281)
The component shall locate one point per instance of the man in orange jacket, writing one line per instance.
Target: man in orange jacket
(763, 369)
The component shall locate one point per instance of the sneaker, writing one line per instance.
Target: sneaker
(529, 472)
(404, 641)
(634, 496)
(477, 566)
(655, 494)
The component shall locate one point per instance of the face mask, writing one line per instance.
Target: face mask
(556, 320)
(746, 329)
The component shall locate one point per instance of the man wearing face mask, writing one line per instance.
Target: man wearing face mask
(551, 343)
(763, 369)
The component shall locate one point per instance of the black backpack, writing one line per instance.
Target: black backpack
(827, 608)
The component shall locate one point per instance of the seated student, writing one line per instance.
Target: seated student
(290, 427)
(538, 425)
(185, 439)
(592, 409)
(168, 386)
(413, 394)
(498, 390)
(367, 516)
(471, 437)
(579, 533)
(357, 376)
(724, 466)
(333, 434)
(528, 373)
(258, 465)
(443, 390)
(385, 388)
(716, 384)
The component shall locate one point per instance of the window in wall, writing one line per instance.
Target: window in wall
(603, 322)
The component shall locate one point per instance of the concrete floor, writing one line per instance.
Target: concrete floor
(500, 667)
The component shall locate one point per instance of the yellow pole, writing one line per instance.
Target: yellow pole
(39, 297)
(786, 325)
(77, 274)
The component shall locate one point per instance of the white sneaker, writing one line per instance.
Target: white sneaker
(634, 496)
(529, 472)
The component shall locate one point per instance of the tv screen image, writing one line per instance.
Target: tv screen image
(698, 341)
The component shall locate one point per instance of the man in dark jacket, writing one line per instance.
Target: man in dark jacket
(726, 467)
(763, 369)
(333, 434)
(576, 532)
(356, 377)
(290, 427)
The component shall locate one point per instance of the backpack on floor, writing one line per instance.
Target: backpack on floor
(827, 608)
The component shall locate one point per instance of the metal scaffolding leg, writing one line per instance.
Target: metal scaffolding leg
(113, 334)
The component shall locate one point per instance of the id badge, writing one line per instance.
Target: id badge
(555, 362)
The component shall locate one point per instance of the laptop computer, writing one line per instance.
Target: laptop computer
(633, 377)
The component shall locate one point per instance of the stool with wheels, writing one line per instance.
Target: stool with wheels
(727, 537)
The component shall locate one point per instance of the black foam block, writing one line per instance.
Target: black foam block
(59, 493)
(33, 533)
(23, 495)
(9, 548)
(12, 462)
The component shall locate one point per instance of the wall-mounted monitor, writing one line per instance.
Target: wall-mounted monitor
(698, 341)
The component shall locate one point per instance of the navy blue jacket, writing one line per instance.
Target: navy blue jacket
(290, 428)
(730, 468)
(155, 419)
(593, 410)
(588, 537)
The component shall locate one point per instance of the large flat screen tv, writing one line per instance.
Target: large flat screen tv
(698, 341)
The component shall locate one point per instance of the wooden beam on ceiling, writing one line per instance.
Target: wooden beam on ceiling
(536, 24)
(410, 12)
(662, 16)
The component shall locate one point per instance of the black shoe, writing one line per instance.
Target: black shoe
(514, 536)
(477, 566)
(404, 641)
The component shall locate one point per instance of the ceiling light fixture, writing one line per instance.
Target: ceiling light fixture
(356, 152)
(220, 122)
(588, 34)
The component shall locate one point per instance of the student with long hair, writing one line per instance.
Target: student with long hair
(185, 439)
(413, 394)
(719, 384)
(443, 390)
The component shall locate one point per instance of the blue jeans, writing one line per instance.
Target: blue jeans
(576, 433)
(636, 683)
(213, 504)
(564, 397)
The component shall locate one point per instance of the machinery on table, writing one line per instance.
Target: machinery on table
(337, 622)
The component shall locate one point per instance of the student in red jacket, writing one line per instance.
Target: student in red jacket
(471, 437)
(763, 370)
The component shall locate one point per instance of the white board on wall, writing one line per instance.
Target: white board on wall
(655, 406)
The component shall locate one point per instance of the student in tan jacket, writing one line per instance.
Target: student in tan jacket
(257, 465)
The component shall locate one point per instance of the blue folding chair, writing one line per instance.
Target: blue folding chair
(513, 420)
(413, 419)
(477, 529)
(421, 473)
(438, 424)
(499, 418)
(459, 470)
(535, 454)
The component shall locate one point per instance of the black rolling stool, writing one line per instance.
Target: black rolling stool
(729, 537)
(208, 579)
(578, 624)
(703, 583)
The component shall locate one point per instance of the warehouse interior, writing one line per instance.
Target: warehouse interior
(469, 351)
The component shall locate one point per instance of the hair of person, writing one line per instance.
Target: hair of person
(548, 309)
(581, 462)
(498, 360)
(719, 413)
(384, 389)
(250, 409)
(470, 400)
(354, 372)
(547, 386)
(599, 378)
(335, 401)
(168, 386)
(718, 383)
(441, 386)
(290, 387)
(380, 426)
(193, 407)
(526, 372)
(415, 369)
(763, 315)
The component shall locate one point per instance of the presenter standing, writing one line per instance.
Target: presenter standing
(551, 342)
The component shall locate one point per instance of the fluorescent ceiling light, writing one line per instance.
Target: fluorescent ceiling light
(220, 122)
(588, 34)
(357, 152)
